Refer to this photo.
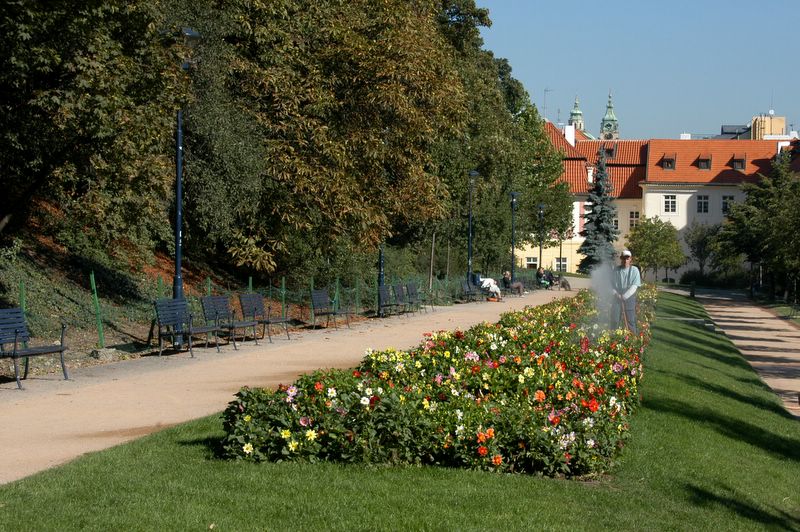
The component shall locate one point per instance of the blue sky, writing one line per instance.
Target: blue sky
(673, 66)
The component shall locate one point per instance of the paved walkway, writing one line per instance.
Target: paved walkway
(770, 343)
(54, 421)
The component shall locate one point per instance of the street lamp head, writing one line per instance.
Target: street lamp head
(474, 173)
(190, 39)
(514, 199)
(541, 210)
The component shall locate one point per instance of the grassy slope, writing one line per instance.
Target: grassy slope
(711, 448)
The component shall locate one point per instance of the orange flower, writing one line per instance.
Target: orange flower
(497, 459)
(539, 396)
(490, 433)
(481, 437)
(483, 451)
(318, 386)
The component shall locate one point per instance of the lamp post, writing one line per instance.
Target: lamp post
(190, 38)
(513, 234)
(541, 231)
(472, 175)
(381, 280)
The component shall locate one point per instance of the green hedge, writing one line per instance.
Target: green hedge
(542, 391)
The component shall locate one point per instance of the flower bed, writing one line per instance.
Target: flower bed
(541, 391)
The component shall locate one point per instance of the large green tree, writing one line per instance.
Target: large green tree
(699, 238)
(654, 243)
(87, 92)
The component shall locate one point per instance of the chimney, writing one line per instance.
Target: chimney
(569, 134)
(590, 174)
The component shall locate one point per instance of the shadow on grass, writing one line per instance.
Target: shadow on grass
(748, 400)
(702, 344)
(732, 501)
(211, 446)
(731, 427)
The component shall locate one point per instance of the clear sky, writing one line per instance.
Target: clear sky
(673, 66)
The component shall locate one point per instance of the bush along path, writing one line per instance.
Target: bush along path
(544, 390)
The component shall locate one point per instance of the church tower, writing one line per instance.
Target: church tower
(609, 127)
(576, 116)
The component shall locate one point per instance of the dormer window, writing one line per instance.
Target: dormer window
(704, 161)
(738, 161)
(610, 151)
(668, 161)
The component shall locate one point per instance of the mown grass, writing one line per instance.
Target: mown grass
(711, 448)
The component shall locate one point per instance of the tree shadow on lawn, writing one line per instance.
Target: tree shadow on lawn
(211, 446)
(734, 428)
(748, 400)
(701, 343)
(754, 380)
(733, 501)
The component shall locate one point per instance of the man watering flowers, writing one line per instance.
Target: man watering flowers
(626, 279)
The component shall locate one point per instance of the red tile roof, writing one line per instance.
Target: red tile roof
(560, 142)
(757, 155)
(576, 176)
(627, 152)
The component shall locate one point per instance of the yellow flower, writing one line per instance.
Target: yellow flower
(311, 435)
(293, 445)
(286, 434)
(426, 404)
(248, 448)
(247, 418)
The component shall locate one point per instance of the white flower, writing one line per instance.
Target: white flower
(368, 391)
(331, 392)
(521, 379)
(365, 401)
(590, 443)
(459, 414)
(380, 390)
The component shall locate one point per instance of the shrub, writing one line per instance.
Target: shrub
(542, 391)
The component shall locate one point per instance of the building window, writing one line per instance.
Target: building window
(670, 203)
(702, 204)
(532, 263)
(668, 161)
(704, 162)
(616, 223)
(633, 219)
(727, 201)
(738, 162)
(561, 264)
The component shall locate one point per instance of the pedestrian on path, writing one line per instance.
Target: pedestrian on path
(625, 281)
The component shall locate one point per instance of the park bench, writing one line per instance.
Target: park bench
(217, 310)
(176, 323)
(253, 308)
(14, 337)
(415, 300)
(469, 291)
(323, 305)
(401, 298)
(386, 304)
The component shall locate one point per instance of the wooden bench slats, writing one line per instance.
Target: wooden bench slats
(13, 337)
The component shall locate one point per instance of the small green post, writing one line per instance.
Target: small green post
(336, 296)
(312, 303)
(22, 304)
(208, 286)
(250, 284)
(283, 296)
(160, 289)
(358, 296)
(97, 311)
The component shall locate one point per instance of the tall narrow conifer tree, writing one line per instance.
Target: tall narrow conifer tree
(598, 230)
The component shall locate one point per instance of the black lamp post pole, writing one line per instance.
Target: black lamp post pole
(513, 235)
(472, 175)
(541, 231)
(177, 283)
(190, 38)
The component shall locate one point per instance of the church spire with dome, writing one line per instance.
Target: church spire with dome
(609, 127)
(576, 116)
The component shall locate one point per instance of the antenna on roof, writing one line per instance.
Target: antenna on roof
(544, 105)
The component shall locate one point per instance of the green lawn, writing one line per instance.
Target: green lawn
(711, 448)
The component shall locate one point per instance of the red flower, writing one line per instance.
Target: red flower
(356, 374)
(593, 405)
(318, 386)
(374, 399)
(483, 451)
(584, 344)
